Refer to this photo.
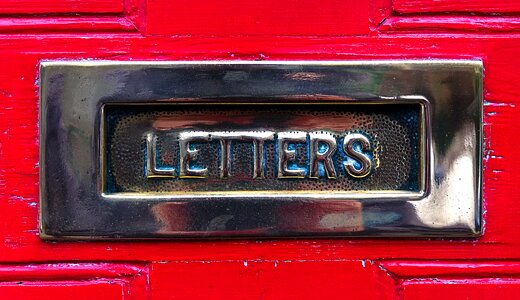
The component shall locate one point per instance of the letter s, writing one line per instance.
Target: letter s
(348, 146)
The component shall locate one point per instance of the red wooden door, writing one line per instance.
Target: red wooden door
(358, 268)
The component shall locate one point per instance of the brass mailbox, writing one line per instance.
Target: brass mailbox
(260, 149)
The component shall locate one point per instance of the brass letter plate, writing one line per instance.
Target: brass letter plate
(260, 149)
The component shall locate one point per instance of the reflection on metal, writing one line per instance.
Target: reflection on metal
(365, 163)
(286, 156)
(151, 160)
(181, 149)
(317, 156)
(215, 145)
(187, 154)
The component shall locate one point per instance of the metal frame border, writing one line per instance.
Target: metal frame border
(73, 94)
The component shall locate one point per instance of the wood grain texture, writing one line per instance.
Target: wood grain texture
(430, 6)
(60, 6)
(251, 17)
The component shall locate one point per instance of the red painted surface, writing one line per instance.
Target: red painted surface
(450, 24)
(74, 25)
(273, 269)
(429, 6)
(271, 280)
(74, 281)
(267, 17)
(98, 289)
(454, 279)
(60, 6)
(19, 153)
(492, 288)
(451, 268)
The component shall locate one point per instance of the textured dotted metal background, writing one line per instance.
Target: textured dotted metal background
(393, 130)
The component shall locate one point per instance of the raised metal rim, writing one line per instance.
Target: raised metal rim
(428, 206)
